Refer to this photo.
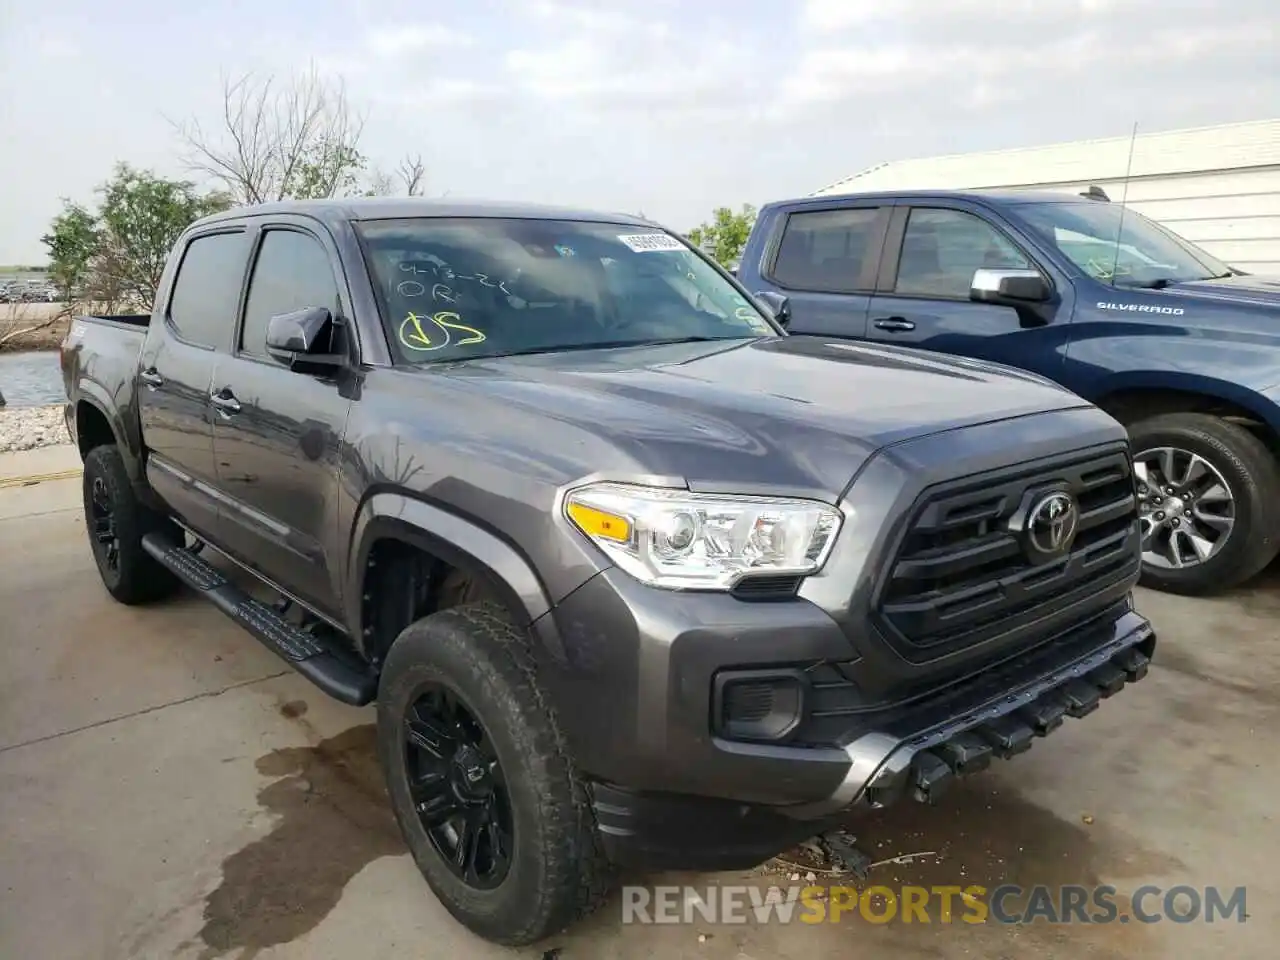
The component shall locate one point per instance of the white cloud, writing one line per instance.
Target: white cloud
(397, 41)
(668, 106)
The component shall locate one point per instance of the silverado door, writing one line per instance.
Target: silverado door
(192, 323)
(922, 292)
(824, 261)
(277, 432)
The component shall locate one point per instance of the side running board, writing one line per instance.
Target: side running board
(320, 657)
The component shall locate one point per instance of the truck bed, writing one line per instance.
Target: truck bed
(99, 360)
(142, 320)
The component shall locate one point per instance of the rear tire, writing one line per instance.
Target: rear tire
(116, 521)
(555, 873)
(1252, 478)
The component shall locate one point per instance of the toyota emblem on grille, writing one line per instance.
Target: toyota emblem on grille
(1052, 522)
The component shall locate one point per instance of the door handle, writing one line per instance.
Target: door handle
(895, 324)
(151, 378)
(226, 402)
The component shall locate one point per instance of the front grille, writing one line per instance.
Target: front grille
(962, 574)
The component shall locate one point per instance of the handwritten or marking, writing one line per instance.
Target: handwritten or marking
(414, 336)
(441, 271)
(454, 323)
(410, 288)
(483, 280)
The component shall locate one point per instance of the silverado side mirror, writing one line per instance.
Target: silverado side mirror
(1003, 286)
(304, 338)
(777, 305)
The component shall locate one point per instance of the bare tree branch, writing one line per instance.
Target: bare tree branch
(56, 317)
(411, 172)
(298, 140)
(381, 184)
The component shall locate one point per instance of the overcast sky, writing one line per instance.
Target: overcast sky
(667, 107)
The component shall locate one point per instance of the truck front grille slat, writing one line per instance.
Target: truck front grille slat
(964, 574)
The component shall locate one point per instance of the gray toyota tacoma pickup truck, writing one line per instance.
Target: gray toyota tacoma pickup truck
(634, 578)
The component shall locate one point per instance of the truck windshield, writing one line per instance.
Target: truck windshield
(1137, 253)
(466, 288)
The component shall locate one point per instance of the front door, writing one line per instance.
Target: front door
(176, 371)
(277, 432)
(923, 298)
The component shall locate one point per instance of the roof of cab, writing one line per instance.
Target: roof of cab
(397, 208)
(990, 197)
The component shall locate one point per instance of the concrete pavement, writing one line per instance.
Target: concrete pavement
(168, 788)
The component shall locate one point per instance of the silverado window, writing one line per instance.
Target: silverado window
(461, 289)
(292, 273)
(826, 250)
(941, 250)
(1119, 246)
(207, 289)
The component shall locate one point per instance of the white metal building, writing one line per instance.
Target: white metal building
(1217, 186)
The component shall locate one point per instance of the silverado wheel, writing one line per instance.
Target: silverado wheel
(116, 522)
(1209, 498)
(488, 802)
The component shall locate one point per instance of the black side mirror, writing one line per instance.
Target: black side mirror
(304, 339)
(777, 304)
(1005, 286)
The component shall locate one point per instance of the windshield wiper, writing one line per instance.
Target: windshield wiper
(1161, 282)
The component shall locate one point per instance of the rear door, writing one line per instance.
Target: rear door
(825, 261)
(277, 432)
(931, 254)
(176, 369)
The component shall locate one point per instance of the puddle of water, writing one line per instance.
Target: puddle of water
(31, 379)
(333, 818)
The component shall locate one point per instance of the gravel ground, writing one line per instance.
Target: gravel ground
(25, 428)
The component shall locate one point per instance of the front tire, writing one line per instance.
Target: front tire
(486, 797)
(116, 521)
(1209, 495)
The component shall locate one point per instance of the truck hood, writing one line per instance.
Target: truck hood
(785, 412)
(1255, 291)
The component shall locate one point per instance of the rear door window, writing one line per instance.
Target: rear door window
(829, 251)
(206, 292)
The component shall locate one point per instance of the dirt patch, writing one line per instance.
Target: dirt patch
(333, 819)
(986, 836)
(978, 834)
(293, 709)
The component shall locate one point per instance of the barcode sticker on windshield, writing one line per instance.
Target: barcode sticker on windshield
(651, 242)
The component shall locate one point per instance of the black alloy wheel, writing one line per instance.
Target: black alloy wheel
(458, 789)
(102, 516)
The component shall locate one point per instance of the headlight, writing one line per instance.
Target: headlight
(682, 540)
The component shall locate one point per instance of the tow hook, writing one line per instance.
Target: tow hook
(838, 847)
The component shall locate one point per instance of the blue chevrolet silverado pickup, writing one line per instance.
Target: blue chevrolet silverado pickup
(1183, 349)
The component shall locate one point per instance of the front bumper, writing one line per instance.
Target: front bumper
(999, 714)
(634, 688)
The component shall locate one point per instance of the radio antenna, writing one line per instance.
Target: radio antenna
(1124, 197)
